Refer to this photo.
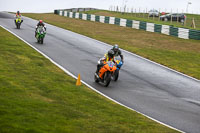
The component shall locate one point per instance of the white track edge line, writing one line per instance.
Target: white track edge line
(69, 73)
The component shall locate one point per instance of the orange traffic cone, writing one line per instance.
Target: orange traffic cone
(78, 82)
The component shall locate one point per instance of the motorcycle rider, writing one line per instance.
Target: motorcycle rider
(118, 52)
(18, 15)
(107, 57)
(40, 23)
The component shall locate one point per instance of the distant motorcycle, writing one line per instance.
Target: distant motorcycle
(40, 34)
(105, 73)
(115, 75)
(18, 22)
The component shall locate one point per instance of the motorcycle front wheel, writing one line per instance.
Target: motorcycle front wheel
(42, 40)
(18, 25)
(38, 40)
(96, 79)
(107, 78)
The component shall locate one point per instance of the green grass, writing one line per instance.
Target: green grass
(179, 54)
(144, 17)
(38, 97)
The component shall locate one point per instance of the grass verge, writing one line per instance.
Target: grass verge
(179, 54)
(38, 97)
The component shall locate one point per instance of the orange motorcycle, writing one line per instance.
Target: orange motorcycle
(105, 73)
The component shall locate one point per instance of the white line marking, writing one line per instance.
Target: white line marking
(69, 73)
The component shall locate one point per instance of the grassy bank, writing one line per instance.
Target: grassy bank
(179, 54)
(38, 97)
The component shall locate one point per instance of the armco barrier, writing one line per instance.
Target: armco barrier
(194, 34)
(80, 15)
(173, 31)
(129, 23)
(157, 28)
(143, 25)
(107, 19)
(112, 20)
(136, 24)
(117, 21)
(89, 17)
(102, 19)
(151, 27)
(97, 18)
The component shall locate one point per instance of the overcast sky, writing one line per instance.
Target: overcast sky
(40, 6)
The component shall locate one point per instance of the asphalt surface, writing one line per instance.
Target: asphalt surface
(144, 86)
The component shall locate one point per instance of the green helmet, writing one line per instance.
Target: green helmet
(115, 47)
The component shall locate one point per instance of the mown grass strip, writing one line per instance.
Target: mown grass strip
(38, 97)
(179, 54)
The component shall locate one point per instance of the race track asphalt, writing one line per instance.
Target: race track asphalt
(144, 86)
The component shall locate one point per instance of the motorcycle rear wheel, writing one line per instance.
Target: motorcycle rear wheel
(116, 75)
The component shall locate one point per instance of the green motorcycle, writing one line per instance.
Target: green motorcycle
(40, 34)
(18, 22)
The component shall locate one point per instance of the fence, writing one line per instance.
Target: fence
(75, 10)
(151, 27)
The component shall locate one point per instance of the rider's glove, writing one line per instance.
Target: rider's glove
(101, 62)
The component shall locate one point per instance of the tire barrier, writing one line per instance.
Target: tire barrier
(151, 27)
